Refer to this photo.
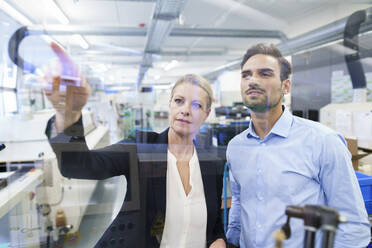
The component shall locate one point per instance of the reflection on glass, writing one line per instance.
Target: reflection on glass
(85, 198)
(9, 77)
(10, 101)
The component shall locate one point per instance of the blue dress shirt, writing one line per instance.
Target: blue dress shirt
(299, 162)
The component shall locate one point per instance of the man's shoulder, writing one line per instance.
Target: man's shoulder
(238, 139)
(313, 127)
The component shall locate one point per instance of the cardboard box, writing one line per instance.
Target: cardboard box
(352, 145)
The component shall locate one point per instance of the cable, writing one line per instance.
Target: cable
(225, 176)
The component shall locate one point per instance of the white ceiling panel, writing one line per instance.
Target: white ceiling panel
(123, 54)
(108, 12)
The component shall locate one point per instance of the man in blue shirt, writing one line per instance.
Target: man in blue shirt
(283, 160)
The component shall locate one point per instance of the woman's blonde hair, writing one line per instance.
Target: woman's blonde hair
(198, 81)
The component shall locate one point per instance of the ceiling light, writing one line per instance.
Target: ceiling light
(181, 19)
(57, 12)
(49, 39)
(162, 86)
(120, 88)
(99, 67)
(39, 72)
(80, 39)
(15, 14)
(157, 77)
(171, 65)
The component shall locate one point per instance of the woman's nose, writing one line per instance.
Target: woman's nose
(185, 110)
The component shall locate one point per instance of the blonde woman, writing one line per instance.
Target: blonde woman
(181, 196)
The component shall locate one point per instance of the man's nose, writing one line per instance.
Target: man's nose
(253, 81)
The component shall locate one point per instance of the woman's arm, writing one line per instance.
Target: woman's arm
(68, 91)
(75, 160)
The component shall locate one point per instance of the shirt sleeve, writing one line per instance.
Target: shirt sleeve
(342, 192)
(233, 231)
(75, 160)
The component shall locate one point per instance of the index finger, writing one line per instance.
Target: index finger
(61, 53)
(69, 70)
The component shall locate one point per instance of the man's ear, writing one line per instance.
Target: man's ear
(286, 86)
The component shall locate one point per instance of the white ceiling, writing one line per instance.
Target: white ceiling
(107, 56)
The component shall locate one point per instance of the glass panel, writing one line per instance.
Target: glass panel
(10, 76)
(114, 126)
(10, 101)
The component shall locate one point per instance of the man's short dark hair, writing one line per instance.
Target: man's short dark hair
(271, 50)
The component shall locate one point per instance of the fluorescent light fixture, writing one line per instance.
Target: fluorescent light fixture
(15, 14)
(49, 39)
(120, 88)
(80, 39)
(39, 72)
(171, 65)
(157, 77)
(181, 19)
(162, 86)
(99, 67)
(57, 12)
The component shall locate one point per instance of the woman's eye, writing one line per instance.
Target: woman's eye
(197, 105)
(177, 100)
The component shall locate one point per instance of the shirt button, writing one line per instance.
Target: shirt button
(259, 171)
(260, 198)
(263, 144)
(259, 226)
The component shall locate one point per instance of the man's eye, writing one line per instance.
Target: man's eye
(245, 76)
(266, 74)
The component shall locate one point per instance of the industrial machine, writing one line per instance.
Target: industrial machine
(315, 217)
(40, 206)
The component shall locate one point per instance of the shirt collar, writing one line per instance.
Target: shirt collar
(281, 127)
(251, 132)
(283, 124)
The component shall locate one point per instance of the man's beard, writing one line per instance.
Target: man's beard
(263, 106)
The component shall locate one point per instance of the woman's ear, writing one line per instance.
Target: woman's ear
(207, 112)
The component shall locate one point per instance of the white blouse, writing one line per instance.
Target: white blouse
(185, 216)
